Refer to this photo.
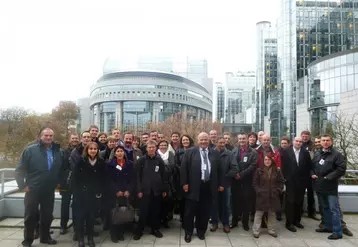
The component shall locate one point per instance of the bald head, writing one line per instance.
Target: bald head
(203, 140)
(266, 140)
(297, 143)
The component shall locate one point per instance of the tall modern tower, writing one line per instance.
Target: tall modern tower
(267, 87)
(219, 102)
(307, 31)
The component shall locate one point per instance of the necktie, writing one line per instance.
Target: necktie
(206, 163)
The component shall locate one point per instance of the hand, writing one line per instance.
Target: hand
(126, 194)
(186, 188)
(119, 193)
(164, 194)
(237, 177)
(27, 189)
(140, 195)
(58, 187)
(314, 176)
(221, 189)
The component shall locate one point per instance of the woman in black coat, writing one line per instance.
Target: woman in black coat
(88, 183)
(121, 175)
(186, 142)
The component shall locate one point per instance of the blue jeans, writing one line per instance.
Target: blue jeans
(222, 208)
(331, 213)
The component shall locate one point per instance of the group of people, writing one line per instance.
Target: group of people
(204, 182)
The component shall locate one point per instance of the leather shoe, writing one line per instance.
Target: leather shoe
(187, 237)
(334, 236)
(299, 225)
(314, 217)
(233, 225)
(156, 233)
(63, 231)
(201, 236)
(226, 229)
(213, 228)
(50, 241)
(347, 232)
(291, 228)
(26, 244)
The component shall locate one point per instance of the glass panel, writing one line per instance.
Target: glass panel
(356, 81)
(350, 82)
(350, 69)
(350, 58)
(337, 72)
(343, 70)
(343, 84)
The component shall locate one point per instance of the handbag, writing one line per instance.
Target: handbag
(122, 214)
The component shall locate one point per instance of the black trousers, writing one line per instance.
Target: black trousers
(200, 210)
(149, 212)
(311, 206)
(85, 220)
(235, 202)
(32, 201)
(242, 201)
(65, 208)
(166, 208)
(294, 202)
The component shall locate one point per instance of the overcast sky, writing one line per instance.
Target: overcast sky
(54, 50)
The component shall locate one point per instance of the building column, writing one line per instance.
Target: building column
(97, 115)
(119, 114)
(155, 113)
(185, 112)
(105, 122)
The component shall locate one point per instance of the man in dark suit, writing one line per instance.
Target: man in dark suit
(242, 191)
(200, 179)
(296, 169)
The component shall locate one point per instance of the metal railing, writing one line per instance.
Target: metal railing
(5, 179)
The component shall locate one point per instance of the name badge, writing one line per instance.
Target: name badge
(137, 157)
(119, 167)
(321, 162)
(245, 159)
(156, 168)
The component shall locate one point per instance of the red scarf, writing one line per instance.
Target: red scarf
(121, 163)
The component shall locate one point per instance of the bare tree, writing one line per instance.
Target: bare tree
(344, 128)
(177, 123)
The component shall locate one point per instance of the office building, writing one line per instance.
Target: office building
(332, 90)
(131, 99)
(309, 30)
(238, 95)
(219, 102)
(268, 91)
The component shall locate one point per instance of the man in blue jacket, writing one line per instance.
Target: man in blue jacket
(37, 174)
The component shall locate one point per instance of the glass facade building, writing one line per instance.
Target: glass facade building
(131, 99)
(219, 102)
(238, 92)
(309, 30)
(328, 78)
